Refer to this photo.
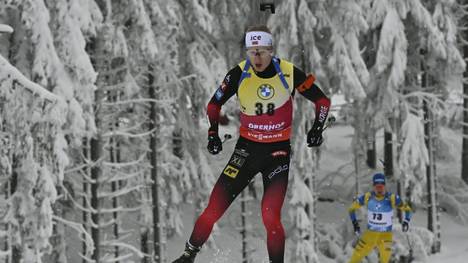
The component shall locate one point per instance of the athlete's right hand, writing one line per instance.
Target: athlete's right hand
(215, 145)
(357, 228)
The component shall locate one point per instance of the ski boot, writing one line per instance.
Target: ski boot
(189, 254)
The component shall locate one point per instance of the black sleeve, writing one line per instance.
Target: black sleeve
(228, 87)
(299, 77)
(312, 93)
(226, 90)
(307, 87)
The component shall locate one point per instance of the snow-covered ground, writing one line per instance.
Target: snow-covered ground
(335, 182)
(454, 242)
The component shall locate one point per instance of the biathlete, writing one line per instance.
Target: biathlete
(265, 86)
(380, 206)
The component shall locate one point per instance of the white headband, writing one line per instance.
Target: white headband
(258, 38)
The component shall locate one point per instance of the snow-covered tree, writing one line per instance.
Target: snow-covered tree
(197, 76)
(34, 51)
(33, 159)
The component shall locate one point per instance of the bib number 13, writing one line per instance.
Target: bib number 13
(270, 110)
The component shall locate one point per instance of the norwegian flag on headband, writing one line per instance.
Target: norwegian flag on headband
(258, 38)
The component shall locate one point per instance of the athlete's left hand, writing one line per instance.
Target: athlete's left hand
(357, 228)
(314, 136)
(405, 226)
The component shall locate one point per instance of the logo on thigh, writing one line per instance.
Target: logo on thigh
(237, 160)
(231, 171)
(241, 152)
(278, 170)
(279, 153)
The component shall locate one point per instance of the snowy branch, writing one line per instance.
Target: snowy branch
(127, 246)
(125, 164)
(142, 100)
(10, 73)
(83, 234)
(127, 134)
(120, 192)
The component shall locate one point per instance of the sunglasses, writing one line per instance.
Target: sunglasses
(263, 53)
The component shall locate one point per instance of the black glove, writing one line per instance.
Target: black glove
(357, 228)
(405, 226)
(314, 136)
(215, 145)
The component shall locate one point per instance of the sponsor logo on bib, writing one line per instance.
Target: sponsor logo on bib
(265, 92)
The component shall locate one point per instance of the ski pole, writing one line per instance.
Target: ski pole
(227, 136)
(330, 121)
(410, 248)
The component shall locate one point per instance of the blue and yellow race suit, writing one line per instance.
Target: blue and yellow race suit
(379, 224)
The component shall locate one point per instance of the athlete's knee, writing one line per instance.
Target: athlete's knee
(386, 252)
(271, 218)
(357, 256)
(211, 215)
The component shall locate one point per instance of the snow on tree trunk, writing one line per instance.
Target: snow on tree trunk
(371, 148)
(433, 221)
(369, 56)
(357, 144)
(114, 156)
(155, 126)
(86, 193)
(96, 171)
(389, 142)
(433, 207)
(464, 158)
(96, 146)
(12, 185)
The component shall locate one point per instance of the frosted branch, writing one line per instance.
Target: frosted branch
(119, 209)
(75, 169)
(120, 192)
(127, 134)
(118, 259)
(81, 231)
(127, 246)
(124, 164)
(122, 176)
(138, 101)
(15, 75)
(77, 204)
